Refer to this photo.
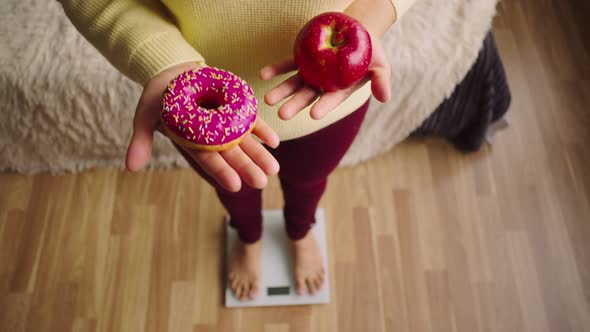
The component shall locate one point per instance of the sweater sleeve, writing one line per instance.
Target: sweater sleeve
(137, 36)
(401, 7)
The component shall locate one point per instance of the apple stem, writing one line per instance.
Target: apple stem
(337, 39)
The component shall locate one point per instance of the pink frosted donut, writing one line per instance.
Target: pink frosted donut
(208, 109)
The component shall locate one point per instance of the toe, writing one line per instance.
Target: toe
(238, 290)
(310, 285)
(253, 290)
(233, 284)
(320, 277)
(231, 276)
(300, 286)
(317, 282)
(244, 293)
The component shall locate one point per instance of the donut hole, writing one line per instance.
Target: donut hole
(209, 101)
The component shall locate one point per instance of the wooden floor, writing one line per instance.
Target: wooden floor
(421, 239)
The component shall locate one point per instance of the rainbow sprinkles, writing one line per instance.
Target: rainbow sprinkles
(208, 109)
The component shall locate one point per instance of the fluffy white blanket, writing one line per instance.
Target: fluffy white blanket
(64, 108)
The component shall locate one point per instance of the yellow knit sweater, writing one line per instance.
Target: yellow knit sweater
(141, 38)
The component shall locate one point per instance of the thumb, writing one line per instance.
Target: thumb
(380, 85)
(146, 119)
(147, 115)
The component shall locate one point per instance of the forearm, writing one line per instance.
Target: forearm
(377, 16)
(136, 36)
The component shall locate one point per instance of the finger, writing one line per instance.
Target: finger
(283, 90)
(214, 165)
(327, 103)
(380, 85)
(263, 131)
(139, 150)
(279, 68)
(303, 98)
(145, 122)
(259, 155)
(245, 167)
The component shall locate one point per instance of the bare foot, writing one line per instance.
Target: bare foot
(244, 269)
(308, 265)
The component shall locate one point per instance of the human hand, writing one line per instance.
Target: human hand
(249, 161)
(304, 95)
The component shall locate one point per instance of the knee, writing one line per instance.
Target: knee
(317, 182)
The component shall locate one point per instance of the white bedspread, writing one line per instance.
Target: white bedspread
(64, 108)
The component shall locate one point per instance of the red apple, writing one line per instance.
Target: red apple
(333, 52)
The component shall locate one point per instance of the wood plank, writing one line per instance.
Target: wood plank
(422, 238)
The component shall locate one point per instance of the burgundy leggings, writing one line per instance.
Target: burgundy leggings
(305, 164)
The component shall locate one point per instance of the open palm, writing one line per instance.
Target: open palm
(303, 95)
(249, 161)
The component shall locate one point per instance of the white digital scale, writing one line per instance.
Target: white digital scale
(277, 286)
